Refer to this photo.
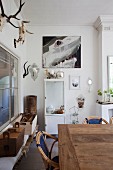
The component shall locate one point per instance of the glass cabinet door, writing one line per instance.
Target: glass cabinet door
(54, 95)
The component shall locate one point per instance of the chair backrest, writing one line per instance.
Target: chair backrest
(94, 120)
(111, 120)
(44, 151)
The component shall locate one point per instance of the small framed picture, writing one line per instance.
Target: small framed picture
(74, 82)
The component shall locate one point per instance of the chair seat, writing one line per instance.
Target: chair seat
(55, 159)
(94, 121)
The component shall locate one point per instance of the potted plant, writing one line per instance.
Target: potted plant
(111, 94)
(99, 92)
(105, 95)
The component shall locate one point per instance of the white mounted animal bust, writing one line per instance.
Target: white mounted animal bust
(34, 70)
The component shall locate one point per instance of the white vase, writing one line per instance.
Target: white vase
(107, 97)
(111, 98)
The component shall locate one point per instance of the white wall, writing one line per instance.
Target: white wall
(104, 25)
(107, 50)
(89, 38)
(7, 40)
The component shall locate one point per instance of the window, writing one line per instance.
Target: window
(8, 87)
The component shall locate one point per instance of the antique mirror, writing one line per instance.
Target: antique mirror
(110, 72)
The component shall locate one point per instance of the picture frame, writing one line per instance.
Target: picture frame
(61, 52)
(74, 82)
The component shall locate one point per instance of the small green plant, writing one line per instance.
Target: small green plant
(99, 92)
(111, 91)
(105, 91)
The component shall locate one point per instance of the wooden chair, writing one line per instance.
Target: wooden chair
(94, 120)
(111, 120)
(50, 163)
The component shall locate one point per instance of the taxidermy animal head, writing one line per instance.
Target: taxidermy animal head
(22, 32)
(34, 70)
(4, 18)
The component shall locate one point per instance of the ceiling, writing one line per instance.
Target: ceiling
(65, 12)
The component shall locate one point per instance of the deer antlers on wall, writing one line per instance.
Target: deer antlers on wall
(8, 18)
(26, 70)
(22, 29)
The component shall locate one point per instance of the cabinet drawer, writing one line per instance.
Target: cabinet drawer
(51, 123)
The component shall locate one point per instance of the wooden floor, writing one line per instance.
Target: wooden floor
(33, 160)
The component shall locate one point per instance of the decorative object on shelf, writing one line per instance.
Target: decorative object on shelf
(74, 82)
(89, 84)
(22, 32)
(74, 115)
(50, 109)
(30, 104)
(100, 98)
(60, 110)
(105, 96)
(80, 100)
(61, 52)
(111, 94)
(34, 70)
(60, 74)
(51, 74)
(111, 98)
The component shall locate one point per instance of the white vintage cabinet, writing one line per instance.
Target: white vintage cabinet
(54, 99)
(104, 110)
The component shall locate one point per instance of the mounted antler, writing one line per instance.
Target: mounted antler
(22, 31)
(15, 15)
(26, 70)
(8, 18)
(2, 9)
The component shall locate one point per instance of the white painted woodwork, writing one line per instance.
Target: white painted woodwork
(105, 111)
(52, 121)
(68, 12)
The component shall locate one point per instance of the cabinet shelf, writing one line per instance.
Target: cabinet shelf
(53, 80)
(55, 114)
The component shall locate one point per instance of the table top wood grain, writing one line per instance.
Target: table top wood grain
(85, 147)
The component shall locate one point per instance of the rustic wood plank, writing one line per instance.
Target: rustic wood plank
(68, 153)
(86, 147)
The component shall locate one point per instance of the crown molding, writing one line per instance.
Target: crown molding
(104, 23)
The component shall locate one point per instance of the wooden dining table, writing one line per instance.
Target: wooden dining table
(85, 146)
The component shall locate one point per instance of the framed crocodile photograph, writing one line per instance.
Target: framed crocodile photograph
(61, 52)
